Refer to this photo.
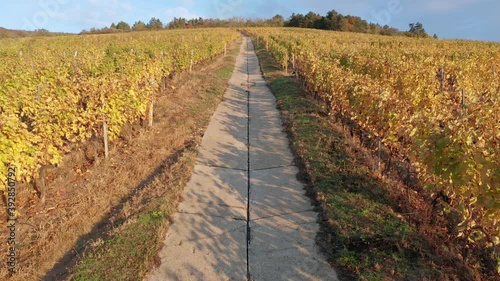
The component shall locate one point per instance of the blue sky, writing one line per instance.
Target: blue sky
(465, 19)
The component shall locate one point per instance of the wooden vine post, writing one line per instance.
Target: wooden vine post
(463, 99)
(191, 64)
(441, 77)
(105, 132)
(379, 139)
(75, 63)
(151, 104)
(163, 78)
(151, 108)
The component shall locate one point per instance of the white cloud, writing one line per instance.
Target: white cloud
(179, 12)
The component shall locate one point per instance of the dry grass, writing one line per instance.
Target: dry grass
(85, 201)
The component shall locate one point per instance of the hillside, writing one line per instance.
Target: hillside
(10, 33)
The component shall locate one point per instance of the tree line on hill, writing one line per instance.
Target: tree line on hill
(338, 22)
(176, 23)
(331, 21)
(10, 33)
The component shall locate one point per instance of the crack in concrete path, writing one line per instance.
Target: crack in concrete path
(273, 168)
(249, 229)
(245, 215)
(222, 167)
(285, 214)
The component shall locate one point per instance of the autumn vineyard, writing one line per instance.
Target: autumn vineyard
(436, 102)
(433, 103)
(61, 91)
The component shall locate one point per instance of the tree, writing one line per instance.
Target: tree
(196, 22)
(343, 23)
(277, 20)
(374, 28)
(155, 23)
(113, 26)
(417, 30)
(360, 25)
(331, 21)
(138, 26)
(389, 31)
(177, 23)
(123, 26)
(435, 36)
(296, 20)
(310, 19)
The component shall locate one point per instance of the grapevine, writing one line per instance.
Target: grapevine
(435, 100)
(55, 91)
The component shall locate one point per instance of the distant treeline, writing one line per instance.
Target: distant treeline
(156, 24)
(9, 33)
(338, 22)
(331, 21)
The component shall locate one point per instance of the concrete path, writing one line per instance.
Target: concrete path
(244, 214)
